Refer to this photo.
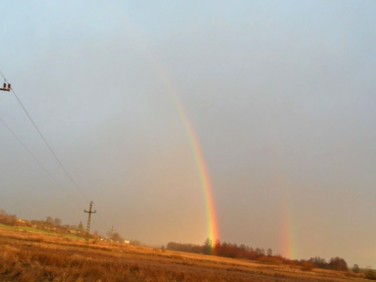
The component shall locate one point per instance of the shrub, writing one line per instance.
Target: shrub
(306, 266)
(370, 274)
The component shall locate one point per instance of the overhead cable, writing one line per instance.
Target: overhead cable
(37, 161)
(45, 141)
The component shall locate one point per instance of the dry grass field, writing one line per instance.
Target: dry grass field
(27, 255)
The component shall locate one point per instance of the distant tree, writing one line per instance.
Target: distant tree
(207, 247)
(338, 263)
(57, 221)
(269, 252)
(135, 243)
(49, 220)
(319, 262)
(243, 247)
(110, 233)
(80, 226)
(356, 268)
(217, 247)
(116, 237)
(260, 252)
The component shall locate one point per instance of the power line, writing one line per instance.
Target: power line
(47, 145)
(45, 140)
(37, 161)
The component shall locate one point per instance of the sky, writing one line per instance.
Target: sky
(280, 95)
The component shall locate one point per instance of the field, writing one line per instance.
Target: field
(29, 255)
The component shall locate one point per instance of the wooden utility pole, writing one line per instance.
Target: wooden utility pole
(89, 212)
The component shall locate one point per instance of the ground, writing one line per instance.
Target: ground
(29, 255)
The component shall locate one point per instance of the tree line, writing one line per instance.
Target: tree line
(230, 250)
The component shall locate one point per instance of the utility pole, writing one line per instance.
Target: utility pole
(89, 212)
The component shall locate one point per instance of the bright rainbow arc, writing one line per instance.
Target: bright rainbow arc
(213, 233)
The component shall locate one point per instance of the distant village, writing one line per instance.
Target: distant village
(55, 225)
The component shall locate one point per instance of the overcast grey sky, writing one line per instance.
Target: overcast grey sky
(280, 93)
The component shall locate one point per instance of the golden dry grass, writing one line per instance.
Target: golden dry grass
(27, 256)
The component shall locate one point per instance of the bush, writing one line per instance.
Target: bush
(356, 268)
(306, 266)
(7, 219)
(370, 274)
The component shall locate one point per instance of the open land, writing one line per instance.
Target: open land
(27, 254)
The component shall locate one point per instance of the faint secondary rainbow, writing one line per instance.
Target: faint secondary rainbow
(199, 158)
(288, 247)
(287, 234)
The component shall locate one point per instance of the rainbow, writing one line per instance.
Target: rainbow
(288, 248)
(287, 232)
(202, 170)
(203, 173)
